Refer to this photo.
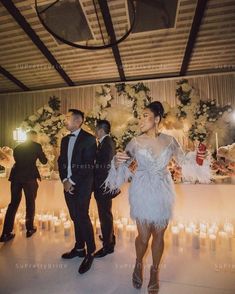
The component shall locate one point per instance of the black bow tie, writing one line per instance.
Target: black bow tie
(71, 135)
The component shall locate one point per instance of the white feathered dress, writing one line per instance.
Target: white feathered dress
(151, 191)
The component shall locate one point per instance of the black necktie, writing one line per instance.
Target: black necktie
(71, 135)
(99, 145)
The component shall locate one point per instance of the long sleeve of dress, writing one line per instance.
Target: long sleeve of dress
(117, 176)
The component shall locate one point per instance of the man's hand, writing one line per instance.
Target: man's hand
(67, 186)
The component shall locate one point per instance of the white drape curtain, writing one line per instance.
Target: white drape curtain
(17, 106)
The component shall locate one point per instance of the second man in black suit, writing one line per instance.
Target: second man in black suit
(76, 168)
(104, 155)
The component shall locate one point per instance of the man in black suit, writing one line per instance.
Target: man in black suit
(23, 176)
(104, 155)
(76, 168)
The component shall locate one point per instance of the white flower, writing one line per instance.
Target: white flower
(33, 118)
(186, 87)
(40, 110)
(48, 109)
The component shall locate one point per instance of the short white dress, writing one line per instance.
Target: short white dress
(151, 191)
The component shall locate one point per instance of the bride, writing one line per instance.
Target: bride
(151, 192)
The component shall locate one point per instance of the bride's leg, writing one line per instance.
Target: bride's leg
(157, 251)
(141, 245)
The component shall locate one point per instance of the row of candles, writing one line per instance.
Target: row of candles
(196, 234)
(199, 234)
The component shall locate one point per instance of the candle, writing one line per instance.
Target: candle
(44, 222)
(124, 221)
(223, 239)
(175, 235)
(203, 227)
(57, 225)
(229, 229)
(195, 240)
(202, 236)
(67, 228)
(120, 230)
(1, 218)
(22, 224)
(212, 239)
(63, 214)
(189, 232)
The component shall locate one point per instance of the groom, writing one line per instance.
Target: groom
(76, 167)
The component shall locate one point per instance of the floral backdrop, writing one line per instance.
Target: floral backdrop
(199, 119)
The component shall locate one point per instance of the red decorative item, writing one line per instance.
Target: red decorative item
(201, 151)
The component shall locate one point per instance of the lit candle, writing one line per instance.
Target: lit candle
(63, 214)
(189, 232)
(223, 239)
(124, 221)
(67, 228)
(229, 229)
(195, 240)
(57, 225)
(212, 239)
(203, 227)
(202, 236)
(22, 224)
(175, 235)
(44, 221)
(120, 230)
(1, 218)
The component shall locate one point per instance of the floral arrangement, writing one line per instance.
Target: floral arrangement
(48, 122)
(123, 118)
(6, 157)
(203, 118)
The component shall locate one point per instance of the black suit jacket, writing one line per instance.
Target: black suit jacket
(26, 155)
(104, 156)
(83, 157)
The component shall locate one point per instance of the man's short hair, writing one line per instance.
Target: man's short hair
(31, 132)
(77, 112)
(104, 124)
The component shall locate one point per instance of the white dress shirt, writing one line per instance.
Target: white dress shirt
(72, 141)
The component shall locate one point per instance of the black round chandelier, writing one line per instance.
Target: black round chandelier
(101, 6)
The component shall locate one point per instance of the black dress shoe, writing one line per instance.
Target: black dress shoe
(7, 237)
(74, 253)
(86, 264)
(103, 252)
(29, 233)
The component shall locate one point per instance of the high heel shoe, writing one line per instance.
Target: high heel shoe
(153, 286)
(137, 276)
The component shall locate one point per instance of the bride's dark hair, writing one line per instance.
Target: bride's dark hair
(156, 108)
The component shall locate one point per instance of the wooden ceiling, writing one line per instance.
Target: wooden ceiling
(202, 41)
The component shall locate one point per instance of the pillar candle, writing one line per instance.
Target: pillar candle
(195, 240)
(202, 237)
(212, 239)
(67, 228)
(57, 225)
(175, 235)
(1, 218)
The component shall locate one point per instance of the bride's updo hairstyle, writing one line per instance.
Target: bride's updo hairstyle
(156, 108)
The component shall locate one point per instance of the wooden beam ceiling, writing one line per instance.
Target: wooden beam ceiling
(19, 18)
(199, 13)
(10, 77)
(110, 30)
